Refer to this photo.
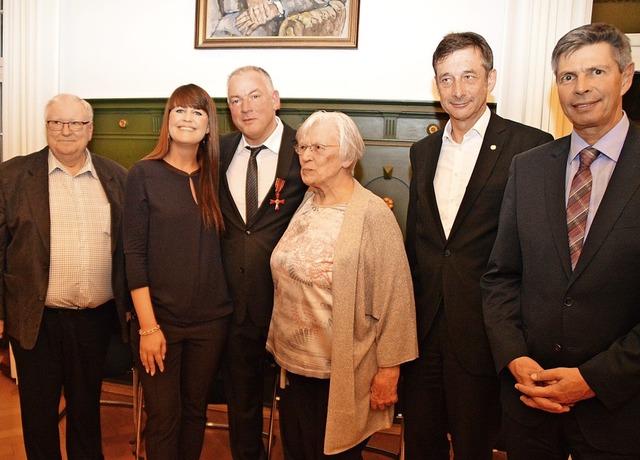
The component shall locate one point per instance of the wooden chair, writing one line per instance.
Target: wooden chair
(119, 367)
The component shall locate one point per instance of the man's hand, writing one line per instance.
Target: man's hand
(556, 389)
(523, 369)
(1, 328)
(255, 16)
(384, 388)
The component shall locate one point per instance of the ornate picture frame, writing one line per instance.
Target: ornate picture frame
(277, 23)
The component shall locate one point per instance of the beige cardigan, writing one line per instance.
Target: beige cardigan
(374, 321)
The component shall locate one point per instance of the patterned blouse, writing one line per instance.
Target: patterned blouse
(302, 268)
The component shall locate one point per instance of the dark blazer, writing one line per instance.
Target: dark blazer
(534, 305)
(25, 240)
(448, 271)
(246, 249)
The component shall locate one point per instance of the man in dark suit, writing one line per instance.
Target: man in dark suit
(63, 282)
(251, 235)
(561, 295)
(459, 175)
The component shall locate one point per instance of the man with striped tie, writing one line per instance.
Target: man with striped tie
(561, 295)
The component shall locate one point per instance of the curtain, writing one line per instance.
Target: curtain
(532, 28)
(31, 77)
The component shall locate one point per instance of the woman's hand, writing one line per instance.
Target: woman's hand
(153, 348)
(384, 388)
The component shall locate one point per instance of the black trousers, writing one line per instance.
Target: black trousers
(440, 396)
(68, 355)
(557, 437)
(176, 400)
(303, 418)
(245, 365)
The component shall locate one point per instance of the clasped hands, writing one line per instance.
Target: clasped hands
(551, 390)
(258, 13)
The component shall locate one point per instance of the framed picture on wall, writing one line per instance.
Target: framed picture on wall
(276, 23)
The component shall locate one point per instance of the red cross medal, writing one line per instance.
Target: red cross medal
(278, 201)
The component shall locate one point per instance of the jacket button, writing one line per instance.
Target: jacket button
(241, 269)
(248, 232)
(447, 253)
(568, 302)
(557, 347)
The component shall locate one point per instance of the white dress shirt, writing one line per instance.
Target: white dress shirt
(267, 164)
(455, 166)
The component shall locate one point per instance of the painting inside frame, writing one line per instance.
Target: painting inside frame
(276, 23)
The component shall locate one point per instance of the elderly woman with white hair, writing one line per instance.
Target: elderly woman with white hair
(344, 317)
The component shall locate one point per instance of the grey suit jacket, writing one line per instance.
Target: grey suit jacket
(25, 240)
(535, 306)
(448, 270)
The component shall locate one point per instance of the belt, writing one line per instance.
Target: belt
(73, 309)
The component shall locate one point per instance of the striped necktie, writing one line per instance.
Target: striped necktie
(578, 203)
(251, 184)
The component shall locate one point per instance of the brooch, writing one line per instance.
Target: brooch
(277, 202)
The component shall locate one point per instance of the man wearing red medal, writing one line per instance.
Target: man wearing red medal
(262, 150)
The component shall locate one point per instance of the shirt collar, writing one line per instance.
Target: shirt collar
(273, 141)
(54, 164)
(610, 144)
(480, 126)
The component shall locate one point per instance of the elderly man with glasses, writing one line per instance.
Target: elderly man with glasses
(63, 287)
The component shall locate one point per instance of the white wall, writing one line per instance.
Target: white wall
(145, 48)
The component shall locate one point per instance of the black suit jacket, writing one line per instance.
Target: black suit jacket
(448, 271)
(246, 249)
(534, 305)
(25, 241)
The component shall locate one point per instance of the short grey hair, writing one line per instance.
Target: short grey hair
(351, 142)
(73, 97)
(252, 68)
(593, 34)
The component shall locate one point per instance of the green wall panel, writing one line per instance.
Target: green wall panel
(127, 130)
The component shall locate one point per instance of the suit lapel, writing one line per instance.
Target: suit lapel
(430, 166)
(36, 187)
(554, 189)
(490, 150)
(227, 151)
(112, 190)
(623, 184)
(285, 156)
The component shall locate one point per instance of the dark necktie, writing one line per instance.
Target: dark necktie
(251, 184)
(578, 203)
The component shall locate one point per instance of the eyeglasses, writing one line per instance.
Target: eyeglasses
(57, 125)
(314, 148)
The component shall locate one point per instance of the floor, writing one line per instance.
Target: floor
(118, 426)
(118, 431)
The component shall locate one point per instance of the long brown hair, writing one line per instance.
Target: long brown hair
(208, 155)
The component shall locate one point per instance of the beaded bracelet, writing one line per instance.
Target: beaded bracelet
(155, 328)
